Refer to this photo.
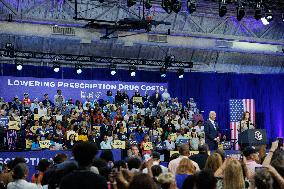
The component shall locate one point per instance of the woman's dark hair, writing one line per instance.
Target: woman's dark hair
(142, 181)
(134, 163)
(244, 115)
(84, 153)
(206, 179)
(43, 165)
(107, 155)
(189, 182)
(156, 170)
(20, 171)
(120, 164)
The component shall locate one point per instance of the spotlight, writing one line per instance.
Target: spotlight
(130, 3)
(282, 16)
(78, 68)
(264, 21)
(191, 6)
(240, 12)
(56, 66)
(258, 14)
(166, 5)
(163, 71)
(269, 15)
(180, 73)
(113, 69)
(176, 6)
(132, 70)
(222, 8)
(19, 65)
(148, 4)
(9, 46)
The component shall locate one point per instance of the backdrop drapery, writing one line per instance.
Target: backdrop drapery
(211, 91)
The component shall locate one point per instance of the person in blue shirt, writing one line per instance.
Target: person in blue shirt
(184, 169)
(109, 97)
(139, 135)
(35, 144)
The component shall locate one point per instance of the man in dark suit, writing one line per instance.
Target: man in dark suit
(201, 157)
(211, 130)
(156, 97)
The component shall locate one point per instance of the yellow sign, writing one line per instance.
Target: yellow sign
(29, 143)
(173, 136)
(97, 128)
(118, 144)
(137, 99)
(220, 146)
(148, 146)
(109, 105)
(186, 136)
(35, 128)
(82, 137)
(160, 131)
(15, 125)
(72, 133)
(193, 152)
(36, 117)
(44, 143)
(173, 152)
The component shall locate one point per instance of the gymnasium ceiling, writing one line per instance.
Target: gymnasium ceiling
(212, 43)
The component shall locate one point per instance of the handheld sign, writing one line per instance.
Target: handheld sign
(118, 144)
(186, 136)
(173, 152)
(160, 131)
(137, 99)
(148, 146)
(97, 128)
(72, 133)
(173, 136)
(29, 144)
(44, 143)
(35, 128)
(36, 117)
(15, 125)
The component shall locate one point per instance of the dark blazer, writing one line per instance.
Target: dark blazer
(155, 99)
(210, 134)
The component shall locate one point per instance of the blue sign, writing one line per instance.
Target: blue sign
(75, 89)
(33, 157)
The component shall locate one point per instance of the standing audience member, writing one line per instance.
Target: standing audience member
(201, 157)
(184, 170)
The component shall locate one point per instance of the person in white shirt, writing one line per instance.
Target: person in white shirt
(156, 161)
(199, 127)
(42, 111)
(184, 153)
(20, 173)
(105, 144)
(169, 144)
(166, 96)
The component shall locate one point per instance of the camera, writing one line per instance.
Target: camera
(280, 142)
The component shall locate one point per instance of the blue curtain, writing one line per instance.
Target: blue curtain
(212, 91)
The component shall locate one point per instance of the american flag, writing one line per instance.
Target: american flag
(237, 108)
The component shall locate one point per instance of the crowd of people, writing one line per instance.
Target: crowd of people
(158, 119)
(185, 171)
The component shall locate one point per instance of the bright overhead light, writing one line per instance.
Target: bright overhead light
(180, 73)
(132, 70)
(264, 21)
(19, 65)
(113, 69)
(269, 15)
(56, 66)
(78, 68)
(163, 71)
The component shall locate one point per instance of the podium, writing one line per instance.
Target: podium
(252, 137)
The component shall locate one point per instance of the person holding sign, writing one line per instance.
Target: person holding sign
(35, 144)
(145, 147)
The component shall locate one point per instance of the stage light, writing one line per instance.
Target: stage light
(130, 3)
(257, 13)
(148, 4)
(163, 71)
(166, 5)
(78, 68)
(176, 6)
(56, 66)
(240, 12)
(180, 73)
(191, 6)
(132, 70)
(264, 21)
(269, 15)
(113, 69)
(19, 65)
(222, 8)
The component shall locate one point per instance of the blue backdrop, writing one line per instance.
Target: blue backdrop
(212, 91)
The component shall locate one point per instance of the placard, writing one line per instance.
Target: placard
(132, 129)
(109, 105)
(35, 128)
(173, 152)
(82, 137)
(183, 141)
(173, 136)
(148, 146)
(29, 144)
(137, 99)
(36, 117)
(97, 128)
(44, 143)
(160, 131)
(118, 144)
(15, 125)
(186, 136)
(72, 133)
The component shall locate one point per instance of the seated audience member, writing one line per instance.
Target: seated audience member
(70, 143)
(41, 168)
(184, 153)
(105, 144)
(84, 153)
(201, 157)
(184, 169)
(35, 144)
(167, 181)
(142, 181)
(156, 161)
(134, 152)
(20, 173)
